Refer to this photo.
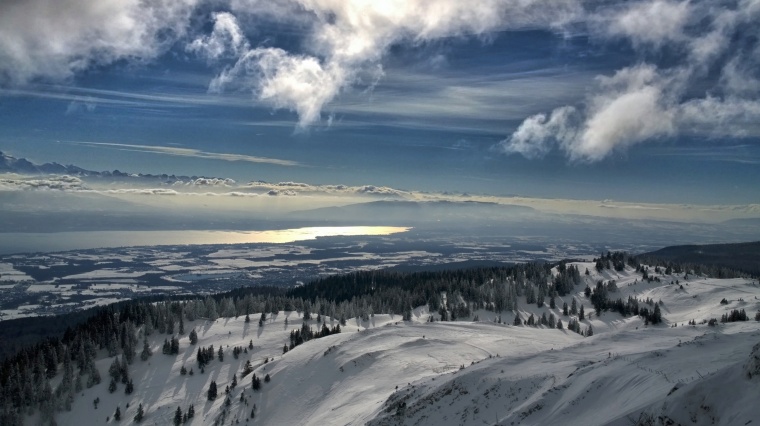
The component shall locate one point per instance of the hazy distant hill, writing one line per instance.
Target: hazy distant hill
(740, 256)
(406, 212)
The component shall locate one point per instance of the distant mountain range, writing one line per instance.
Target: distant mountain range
(10, 164)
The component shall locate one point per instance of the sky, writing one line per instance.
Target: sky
(647, 101)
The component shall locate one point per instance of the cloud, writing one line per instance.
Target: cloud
(225, 39)
(675, 93)
(54, 39)
(213, 182)
(189, 152)
(533, 139)
(349, 39)
(648, 23)
(632, 106)
(293, 188)
(52, 182)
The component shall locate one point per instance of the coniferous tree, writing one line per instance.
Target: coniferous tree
(256, 382)
(117, 414)
(267, 378)
(564, 309)
(129, 388)
(140, 414)
(221, 354)
(178, 417)
(193, 337)
(112, 385)
(191, 412)
(146, 352)
(211, 394)
(581, 314)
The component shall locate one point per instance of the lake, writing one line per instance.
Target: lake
(11, 242)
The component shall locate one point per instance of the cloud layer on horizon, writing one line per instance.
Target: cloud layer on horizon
(284, 197)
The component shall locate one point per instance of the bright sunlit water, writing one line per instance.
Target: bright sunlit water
(62, 241)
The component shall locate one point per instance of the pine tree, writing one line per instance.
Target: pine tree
(581, 314)
(267, 378)
(212, 391)
(129, 388)
(140, 414)
(193, 337)
(117, 414)
(146, 352)
(221, 354)
(178, 417)
(256, 382)
(112, 385)
(564, 309)
(191, 412)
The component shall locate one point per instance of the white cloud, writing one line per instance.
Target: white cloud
(52, 182)
(642, 103)
(300, 83)
(226, 39)
(649, 23)
(350, 37)
(57, 38)
(632, 106)
(189, 152)
(535, 136)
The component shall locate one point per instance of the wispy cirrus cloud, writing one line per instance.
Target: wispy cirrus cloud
(189, 152)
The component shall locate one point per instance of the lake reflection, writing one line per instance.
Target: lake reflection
(63, 241)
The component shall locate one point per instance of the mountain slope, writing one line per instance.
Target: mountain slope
(739, 256)
(387, 372)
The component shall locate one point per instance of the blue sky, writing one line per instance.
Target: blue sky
(644, 101)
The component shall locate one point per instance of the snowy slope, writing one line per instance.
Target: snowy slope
(386, 371)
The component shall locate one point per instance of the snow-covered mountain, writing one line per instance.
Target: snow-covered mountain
(386, 371)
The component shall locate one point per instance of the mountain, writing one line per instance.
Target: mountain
(739, 256)
(10, 164)
(480, 369)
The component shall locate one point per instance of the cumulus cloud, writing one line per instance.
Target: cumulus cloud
(213, 182)
(632, 106)
(648, 102)
(56, 38)
(52, 182)
(293, 188)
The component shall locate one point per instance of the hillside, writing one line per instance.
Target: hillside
(387, 371)
(739, 256)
